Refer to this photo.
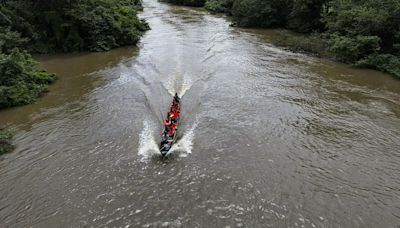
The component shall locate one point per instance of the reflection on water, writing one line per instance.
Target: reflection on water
(269, 138)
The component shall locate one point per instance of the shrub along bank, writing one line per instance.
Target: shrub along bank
(365, 33)
(5, 142)
(41, 26)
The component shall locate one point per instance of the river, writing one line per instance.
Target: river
(269, 138)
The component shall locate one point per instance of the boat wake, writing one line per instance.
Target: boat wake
(184, 146)
(149, 140)
(178, 83)
(148, 146)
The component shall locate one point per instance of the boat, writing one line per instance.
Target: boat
(168, 139)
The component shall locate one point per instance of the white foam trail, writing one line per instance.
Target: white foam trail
(147, 144)
(178, 83)
(184, 88)
(185, 145)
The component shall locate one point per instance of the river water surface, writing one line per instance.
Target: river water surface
(269, 138)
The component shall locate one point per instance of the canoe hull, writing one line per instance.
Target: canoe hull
(166, 145)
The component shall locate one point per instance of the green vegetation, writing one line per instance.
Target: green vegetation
(41, 26)
(5, 142)
(73, 25)
(20, 81)
(365, 33)
(219, 6)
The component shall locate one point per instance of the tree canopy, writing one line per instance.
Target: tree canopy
(43, 26)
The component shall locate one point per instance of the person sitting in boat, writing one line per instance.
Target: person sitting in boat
(176, 98)
(165, 137)
(171, 132)
(176, 115)
(167, 123)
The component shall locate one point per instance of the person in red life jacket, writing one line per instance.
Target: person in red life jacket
(176, 115)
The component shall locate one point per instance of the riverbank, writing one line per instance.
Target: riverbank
(347, 32)
(29, 28)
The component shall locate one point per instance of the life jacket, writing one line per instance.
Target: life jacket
(176, 115)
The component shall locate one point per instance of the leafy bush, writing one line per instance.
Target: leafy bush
(101, 25)
(10, 40)
(20, 82)
(366, 18)
(74, 25)
(219, 6)
(260, 13)
(350, 50)
(305, 16)
(383, 62)
(43, 26)
(5, 141)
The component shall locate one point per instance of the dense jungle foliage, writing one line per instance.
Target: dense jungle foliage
(73, 25)
(43, 26)
(363, 32)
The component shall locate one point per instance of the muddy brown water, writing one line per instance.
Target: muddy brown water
(269, 138)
